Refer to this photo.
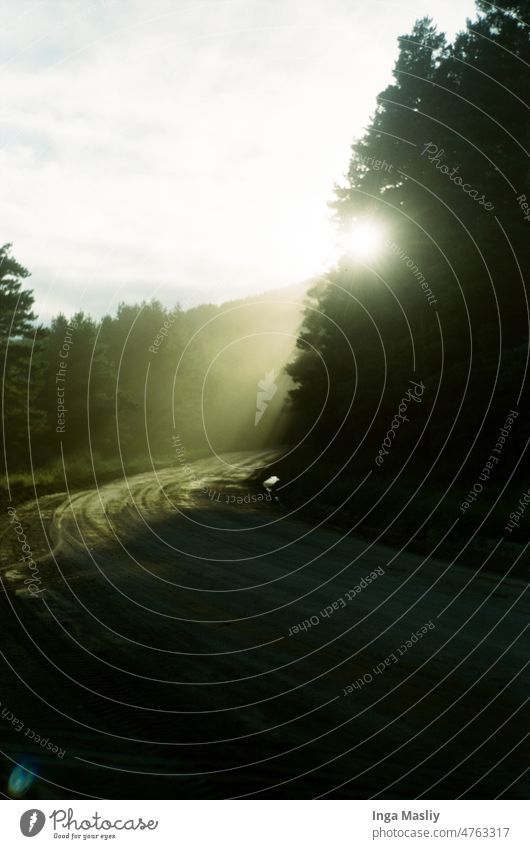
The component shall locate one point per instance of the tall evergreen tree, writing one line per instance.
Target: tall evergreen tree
(17, 345)
(438, 172)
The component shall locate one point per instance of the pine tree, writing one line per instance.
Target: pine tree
(19, 340)
(453, 127)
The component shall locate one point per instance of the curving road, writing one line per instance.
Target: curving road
(179, 649)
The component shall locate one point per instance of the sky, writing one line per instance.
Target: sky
(184, 150)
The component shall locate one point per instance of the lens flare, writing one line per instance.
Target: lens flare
(19, 782)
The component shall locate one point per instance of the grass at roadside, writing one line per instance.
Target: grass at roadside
(78, 473)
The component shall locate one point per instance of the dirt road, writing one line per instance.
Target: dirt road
(187, 639)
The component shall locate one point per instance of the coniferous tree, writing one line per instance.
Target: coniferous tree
(19, 347)
(438, 172)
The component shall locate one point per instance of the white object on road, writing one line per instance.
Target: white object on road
(271, 482)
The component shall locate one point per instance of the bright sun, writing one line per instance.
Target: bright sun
(364, 240)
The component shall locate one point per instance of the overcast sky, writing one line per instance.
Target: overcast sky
(184, 150)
